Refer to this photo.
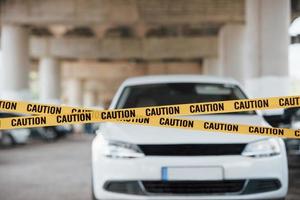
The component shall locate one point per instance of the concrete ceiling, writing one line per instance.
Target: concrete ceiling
(123, 18)
(132, 20)
(121, 12)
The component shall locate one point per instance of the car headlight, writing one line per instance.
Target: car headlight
(262, 148)
(118, 149)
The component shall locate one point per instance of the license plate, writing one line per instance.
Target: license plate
(192, 173)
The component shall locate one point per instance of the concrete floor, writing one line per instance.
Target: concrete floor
(48, 171)
(61, 170)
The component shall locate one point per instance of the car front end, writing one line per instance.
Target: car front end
(144, 162)
(232, 167)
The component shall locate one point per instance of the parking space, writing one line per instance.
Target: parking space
(294, 176)
(49, 171)
(61, 170)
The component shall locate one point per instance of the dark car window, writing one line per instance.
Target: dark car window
(177, 93)
(6, 115)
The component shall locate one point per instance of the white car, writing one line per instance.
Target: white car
(13, 136)
(143, 162)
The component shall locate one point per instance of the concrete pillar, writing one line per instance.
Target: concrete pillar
(267, 40)
(211, 66)
(140, 30)
(14, 76)
(49, 79)
(75, 92)
(100, 100)
(231, 51)
(90, 98)
(75, 98)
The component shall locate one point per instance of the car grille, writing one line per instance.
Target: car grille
(192, 149)
(158, 187)
(193, 187)
(262, 185)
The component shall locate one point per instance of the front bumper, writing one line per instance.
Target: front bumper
(106, 170)
(196, 188)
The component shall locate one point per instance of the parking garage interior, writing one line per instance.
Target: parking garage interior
(78, 52)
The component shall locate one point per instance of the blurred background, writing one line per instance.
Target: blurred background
(78, 52)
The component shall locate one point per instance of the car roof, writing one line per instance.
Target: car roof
(140, 80)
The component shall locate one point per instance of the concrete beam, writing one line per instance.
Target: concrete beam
(104, 78)
(118, 48)
(119, 12)
(110, 71)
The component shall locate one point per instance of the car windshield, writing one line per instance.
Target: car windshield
(177, 93)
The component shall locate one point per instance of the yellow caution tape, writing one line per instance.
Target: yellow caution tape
(48, 120)
(51, 115)
(215, 127)
(168, 110)
(198, 125)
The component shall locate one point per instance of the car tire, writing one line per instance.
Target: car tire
(7, 140)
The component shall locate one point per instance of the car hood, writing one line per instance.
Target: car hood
(140, 134)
